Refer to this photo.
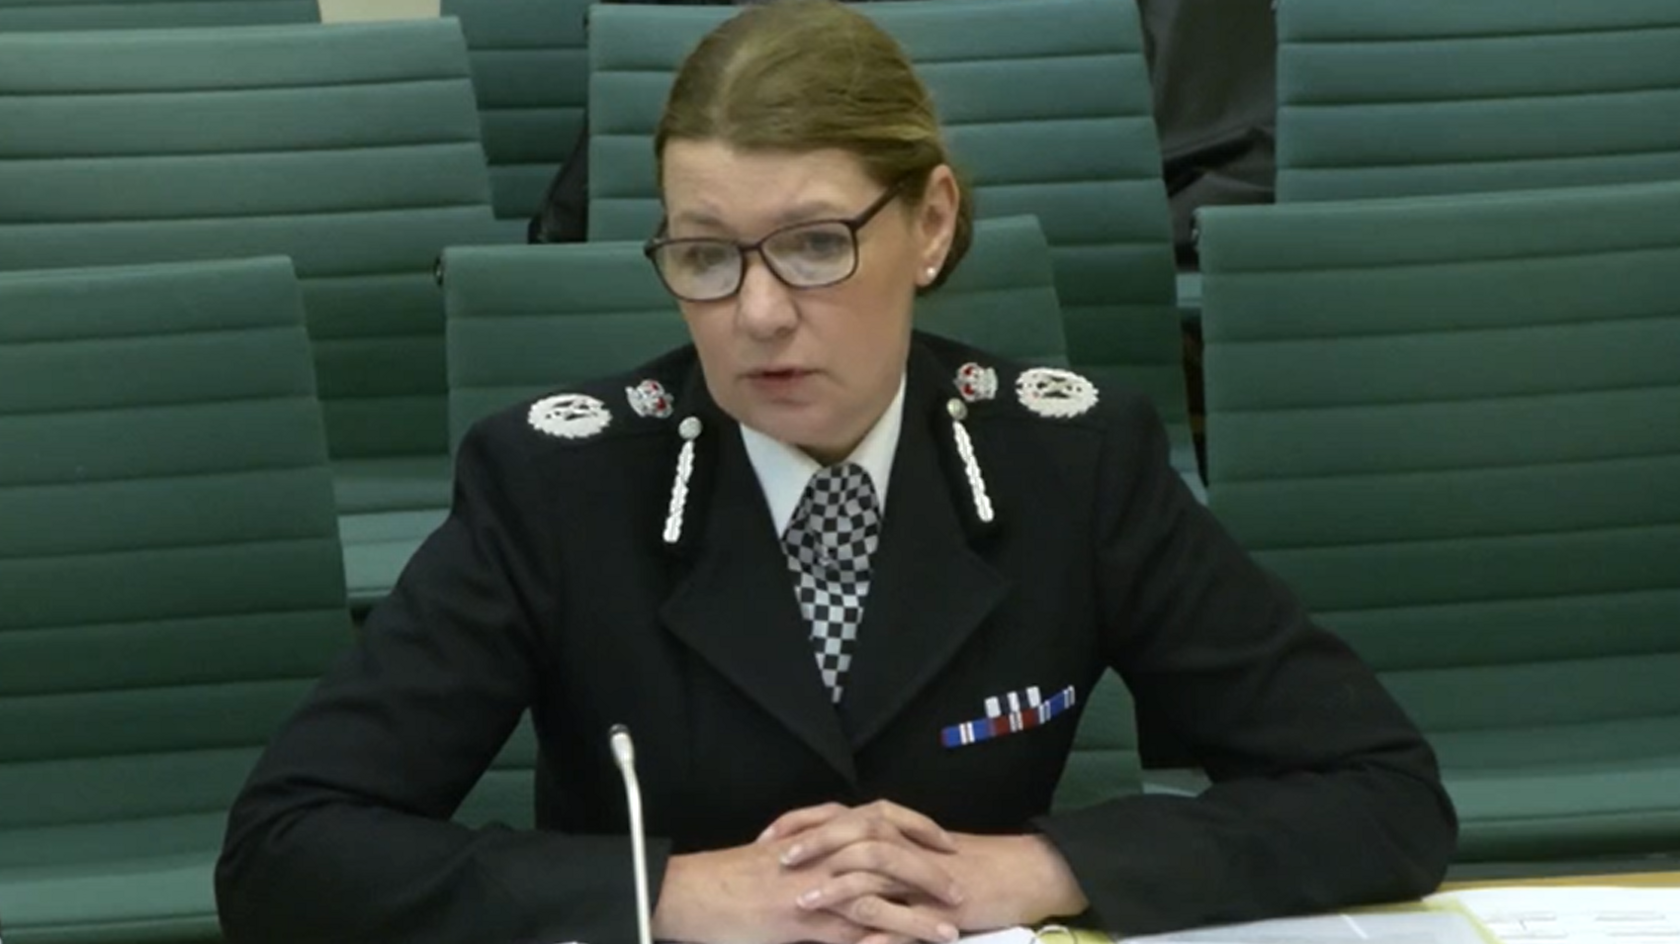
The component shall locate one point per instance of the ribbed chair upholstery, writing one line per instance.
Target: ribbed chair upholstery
(353, 149)
(1437, 96)
(170, 581)
(44, 15)
(1002, 298)
(1048, 107)
(1105, 763)
(1453, 425)
(525, 320)
(530, 70)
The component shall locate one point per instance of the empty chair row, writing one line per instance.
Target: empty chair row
(1373, 100)
(52, 15)
(170, 581)
(193, 144)
(1452, 425)
(1434, 97)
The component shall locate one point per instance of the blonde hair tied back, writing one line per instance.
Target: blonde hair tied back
(806, 75)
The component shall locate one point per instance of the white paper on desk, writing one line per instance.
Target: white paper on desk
(1553, 915)
(1411, 927)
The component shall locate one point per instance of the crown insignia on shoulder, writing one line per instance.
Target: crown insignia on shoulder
(649, 399)
(976, 383)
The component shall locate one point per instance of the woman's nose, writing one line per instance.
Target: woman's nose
(764, 306)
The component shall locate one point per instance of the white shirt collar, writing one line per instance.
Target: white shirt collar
(783, 471)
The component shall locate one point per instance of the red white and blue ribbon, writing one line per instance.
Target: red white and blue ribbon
(1009, 714)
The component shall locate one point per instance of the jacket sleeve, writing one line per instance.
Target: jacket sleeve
(342, 832)
(1324, 793)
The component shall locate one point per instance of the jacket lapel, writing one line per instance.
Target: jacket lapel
(930, 590)
(735, 607)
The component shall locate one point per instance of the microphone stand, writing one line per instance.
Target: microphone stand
(624, 755)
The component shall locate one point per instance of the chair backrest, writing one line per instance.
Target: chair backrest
(1436, 96)
(1104, 763)
(1450, 424)
(531, 74)
(526, 319)
(523, 320)
(1047, 106)
(170, 579)
(44, 15)
(1002, 298)
(354, 149)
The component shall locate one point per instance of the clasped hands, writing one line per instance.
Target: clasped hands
(875, 874)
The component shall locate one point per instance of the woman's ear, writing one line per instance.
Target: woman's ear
(936, 221)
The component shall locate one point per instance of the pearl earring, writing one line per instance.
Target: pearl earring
(931, 272)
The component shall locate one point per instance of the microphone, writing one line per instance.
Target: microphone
(624, 755)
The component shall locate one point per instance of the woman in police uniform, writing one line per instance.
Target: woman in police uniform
(847, 584)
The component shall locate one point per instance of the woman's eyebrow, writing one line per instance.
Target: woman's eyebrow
(697, 218)
(805, 211)
(810, 210)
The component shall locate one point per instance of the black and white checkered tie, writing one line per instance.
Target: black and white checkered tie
(834, 532)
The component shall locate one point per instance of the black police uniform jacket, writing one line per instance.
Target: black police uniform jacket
(552, 586)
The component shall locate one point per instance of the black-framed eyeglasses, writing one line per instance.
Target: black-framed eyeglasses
(813, 254)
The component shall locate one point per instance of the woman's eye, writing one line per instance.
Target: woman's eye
(822, 243)
(699, 257)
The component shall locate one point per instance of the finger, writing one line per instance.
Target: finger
(878, 821)
(914, 922)
(881, 937)
(826, 928)
(916, 826)
(798, 821)
(911, 868)
(835, 892)
(830, 837)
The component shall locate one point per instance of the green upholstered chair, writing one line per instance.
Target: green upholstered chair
(44, 15)
(1002, 297)
(525, 320)
(1047, 106)
(1105, 762)
(1452, 424)
(531, 74)
(1435, 96)
(352, 149)
(170, 581)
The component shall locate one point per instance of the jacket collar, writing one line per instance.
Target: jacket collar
(930, 591)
